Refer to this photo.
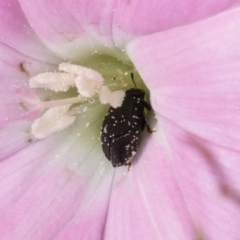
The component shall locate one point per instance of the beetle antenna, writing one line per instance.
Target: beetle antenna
(132, 76)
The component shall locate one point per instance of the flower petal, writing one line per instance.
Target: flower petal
(16, 33)
(194, 78)
(209, 178)
(70, 25)
(146, 202)
(53, 185)
(193, 75)
(16, 97)
(146, 17)
(10, 142)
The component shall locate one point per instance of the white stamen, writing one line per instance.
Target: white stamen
(61, 102)
(87, 82)
(86, 86)
(115, 99)
(58, 116)
(53, 120)
(83, 108)
(55, 81)
(73, 69)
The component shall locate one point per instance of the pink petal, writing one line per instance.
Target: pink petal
(51, 190)
(10, 142)
(16, 33)
(16, 97)
(193, 75)
(67, 23)
(147, 203)
(209, 178)
(42, 189)
(194, 78)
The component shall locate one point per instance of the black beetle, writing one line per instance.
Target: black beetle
(122, 127)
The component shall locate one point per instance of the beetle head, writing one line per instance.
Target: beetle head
(135, 92)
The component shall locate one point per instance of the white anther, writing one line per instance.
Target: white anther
(87, 81)
(72, 68)
(55, 81)
(115, 98)
(87, 87)
(53, 120)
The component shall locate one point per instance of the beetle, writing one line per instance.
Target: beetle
(122, 127)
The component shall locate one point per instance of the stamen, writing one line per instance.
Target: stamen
(54, 81)
(74, 69)
(60, 102)
(53, 120)
(59, 115)
(87, 82)
(83, 107)
(115, 98)
(87, 86)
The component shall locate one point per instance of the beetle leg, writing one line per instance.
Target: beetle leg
(129, 165)
(149, 108)
(148, 127)
(146, 105)
(146, 124)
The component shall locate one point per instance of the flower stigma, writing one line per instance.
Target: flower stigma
(74, 89)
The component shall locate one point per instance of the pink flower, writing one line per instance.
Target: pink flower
(184, 181)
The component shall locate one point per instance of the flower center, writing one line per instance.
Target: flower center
(76, 88)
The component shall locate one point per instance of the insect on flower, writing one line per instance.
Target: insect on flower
(122, 127)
